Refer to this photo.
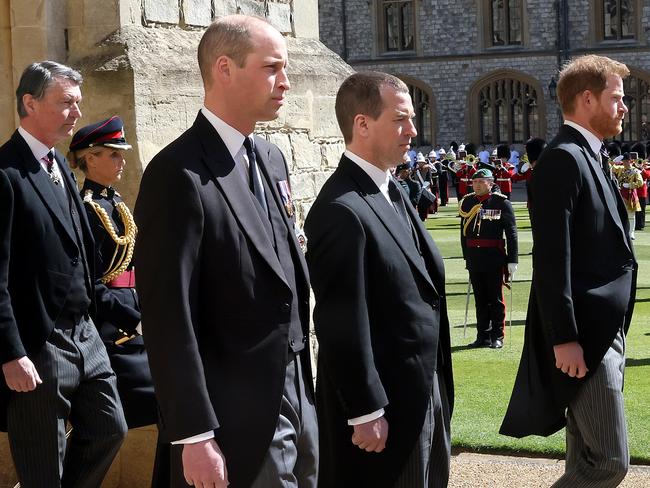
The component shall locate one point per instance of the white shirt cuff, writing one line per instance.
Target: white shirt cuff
(196, 438)
(366, 418)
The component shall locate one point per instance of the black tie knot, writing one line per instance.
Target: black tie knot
(50, 156)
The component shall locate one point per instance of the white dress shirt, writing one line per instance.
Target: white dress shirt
(234, 141)
(40, 150)
(381, 179)
(594, 142)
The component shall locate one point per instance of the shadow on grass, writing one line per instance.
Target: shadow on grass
(642, 300)
(629, 362)
(473, 324)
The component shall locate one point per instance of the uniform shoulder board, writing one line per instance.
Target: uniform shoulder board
(499, 194)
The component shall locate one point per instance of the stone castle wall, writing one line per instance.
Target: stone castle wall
(451, 53)
(138, 59)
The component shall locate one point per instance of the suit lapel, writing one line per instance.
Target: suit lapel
(609, 194)
(387, 216)
(263, 151)
(228, 179)
(42, 184)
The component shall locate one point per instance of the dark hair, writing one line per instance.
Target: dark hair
(360, 93)
(38, 77)
(534, 147)
(639, 148)
(503, 151)
(613, 149)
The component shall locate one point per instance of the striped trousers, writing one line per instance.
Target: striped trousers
(596, 433)
(428, 463)
(78, 386)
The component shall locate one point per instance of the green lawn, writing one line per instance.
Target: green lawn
(484, 377)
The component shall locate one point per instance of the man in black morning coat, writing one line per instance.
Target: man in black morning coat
(583, 287)
(54, 364)
(223, 281)
(384, 380)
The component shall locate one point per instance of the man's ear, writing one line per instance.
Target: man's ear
(29, 102)
(360, 125)
(222, 69)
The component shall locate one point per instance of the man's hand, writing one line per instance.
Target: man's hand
(371, 436)
(21, 375)
(204, 465)
(570, 359)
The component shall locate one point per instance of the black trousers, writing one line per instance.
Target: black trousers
(639, 217)
(78, 387)
(490, 306)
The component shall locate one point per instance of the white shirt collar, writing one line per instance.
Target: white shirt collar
(232, 138)
(594, 142)
(378, 176)
(39, 150)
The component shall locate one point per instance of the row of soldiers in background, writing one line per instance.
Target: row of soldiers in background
(631, 169)
(457, 166)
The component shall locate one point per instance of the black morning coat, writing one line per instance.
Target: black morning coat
(38, 252)
(214, 296)
(381, 322)
(584, 280)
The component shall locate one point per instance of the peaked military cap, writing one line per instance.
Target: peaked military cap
(108, 133)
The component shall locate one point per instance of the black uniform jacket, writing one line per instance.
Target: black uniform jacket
(381, 323)
(38, 251)
(584, 280)
(495, 220)
(129, 359)
(214, 297)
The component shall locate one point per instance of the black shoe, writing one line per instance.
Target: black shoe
(480, 343)
(496, 344)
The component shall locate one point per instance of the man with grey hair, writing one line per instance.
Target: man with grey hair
(223, 282)
(54, 364)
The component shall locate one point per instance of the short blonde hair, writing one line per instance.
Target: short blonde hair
(588, 72)
(228, 36)
(77, 159)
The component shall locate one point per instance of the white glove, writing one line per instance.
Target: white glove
(512, 269)
(625, 185)
(524, 167)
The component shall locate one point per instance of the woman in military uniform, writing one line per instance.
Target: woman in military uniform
(97, 150)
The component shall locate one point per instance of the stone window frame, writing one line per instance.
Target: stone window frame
(380, 23)
(473, 99)
(598, 30)
(644, 77)
(427, 90)
(485, 25)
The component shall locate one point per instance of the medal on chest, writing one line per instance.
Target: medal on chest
(490, 214)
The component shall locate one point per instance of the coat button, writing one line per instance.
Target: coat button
(285, 307)
(74, 261)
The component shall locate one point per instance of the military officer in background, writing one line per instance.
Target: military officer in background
(504, 170)
(485, 217)
(97, 150)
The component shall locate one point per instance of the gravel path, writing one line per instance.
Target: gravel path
(470, 470)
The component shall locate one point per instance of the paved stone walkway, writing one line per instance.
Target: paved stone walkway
(469, 470)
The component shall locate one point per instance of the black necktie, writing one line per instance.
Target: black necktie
(400, 207)
(50, 158)
(604, 161)
(255, 185)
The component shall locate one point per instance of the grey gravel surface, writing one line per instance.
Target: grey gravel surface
(469, 470)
